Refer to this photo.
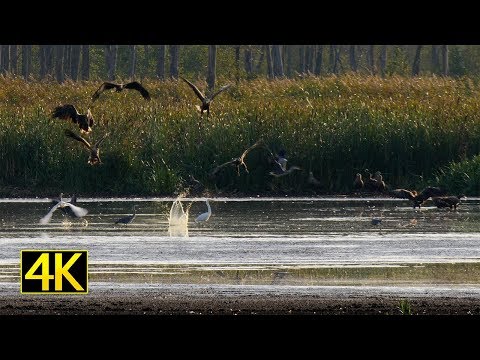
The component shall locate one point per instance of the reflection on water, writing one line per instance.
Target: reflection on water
(304, 241)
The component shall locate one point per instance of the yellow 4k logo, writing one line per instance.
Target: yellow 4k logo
(54, 271)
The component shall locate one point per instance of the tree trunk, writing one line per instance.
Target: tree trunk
(212, 67)
(331, 58)
(277, 61)
(444, 60)
(416, 61)
(336, 59)
(133, 61)
(13, 59)
(269, 62)
(301, 63)
(174, 49)
(111, 60)
(260, 60)
(307, 58)
(66, 61)
(49, 63)
(85, 62)
(237, 63)
(248, 60)
(319, 60)
(310, 59)
(59, 52)
(26, 61)
(289, 59)
(161, 62)
(74, 61)
(5, 59)
(383, 60)
(435, 60)
(371, 58)
(43, 66)
(353, 58)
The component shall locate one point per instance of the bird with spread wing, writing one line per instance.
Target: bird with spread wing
(206, 100)
(238, 161)
(61, 204)
(94, 157)
(134, 85)
(70, 112)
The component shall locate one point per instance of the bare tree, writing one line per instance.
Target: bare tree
(319, 60)
(383, 60)
(49, 55)
(111, 60)
(5, 59)
(161, 62)
(371, 59)
(289, 59)
(212, 67)
(174, 50)
(13, 59)
(43, 65)
(248, 60)
(353, 58)
(444, 49)
(277, 61)
(260, 60)
(269, 62)
(74, 61)
(416, 61)
(66, 60)
(59, 51)
(435, 59)
(26, 60)
(133, 61)
(301, 63)
(85, 62)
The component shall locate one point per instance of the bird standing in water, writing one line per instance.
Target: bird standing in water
(135, 85)
(77, 211)
(127, 219)
(94, 157)
(206, 100)
(205, 216)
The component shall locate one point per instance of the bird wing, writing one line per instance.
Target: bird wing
(135, 85)
(65, 112)
(78, 211)
(47, 217)
(102, 88)
(90, 118)
(250, 149)
(277, 169)
(71, 134)
(97, 144)
(215, 170)
(223, 88)
(195, 89)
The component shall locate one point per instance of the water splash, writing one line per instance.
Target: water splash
(178, 220)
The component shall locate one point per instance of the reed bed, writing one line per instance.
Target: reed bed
(410, 129)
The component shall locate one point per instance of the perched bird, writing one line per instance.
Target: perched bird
(372, 184)
(204, 216)
(69, 112)
(425, 194)
(134, 85)
(204, 99)
(77, 211)
(239, 161)
(127, 219)
(312, 180)
(380, 183)
(67, 210)
(358, 182)
(447, 201)
(94, 157)
(403, 194)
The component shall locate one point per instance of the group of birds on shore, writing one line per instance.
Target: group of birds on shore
(437, 195)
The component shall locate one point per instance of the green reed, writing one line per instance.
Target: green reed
(409, 129)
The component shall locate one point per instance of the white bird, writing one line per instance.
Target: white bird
(78, 211)
(204, 216)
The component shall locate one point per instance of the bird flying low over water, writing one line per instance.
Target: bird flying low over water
(239, 161)
(94, 157)
(69, 112)
(134, 85)
(77, 211)
(66, 209)
(206, 100)
(127, 219)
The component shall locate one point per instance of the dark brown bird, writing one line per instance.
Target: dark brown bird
(94, 157)
(447, 201)
(358, 182)
(134, 85)
(204, 99)
(69, 112)
(373, 184)
(425, 194)
(403, 194)
(239, 161)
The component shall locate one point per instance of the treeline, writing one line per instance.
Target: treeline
(92, 62)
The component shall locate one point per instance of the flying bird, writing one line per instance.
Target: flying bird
(70, 112)
(77, 211)
(239, 161)
(94, 157)
(280, 165)
(206, 100)
(127, 219)
(403, 194)
(134, 85)
(67, 210)
(204, 216)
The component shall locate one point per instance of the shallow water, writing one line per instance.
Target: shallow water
(287, 241)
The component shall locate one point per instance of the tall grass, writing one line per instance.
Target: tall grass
(334, 126)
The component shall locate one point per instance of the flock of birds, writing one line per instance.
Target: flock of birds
(278, 161)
